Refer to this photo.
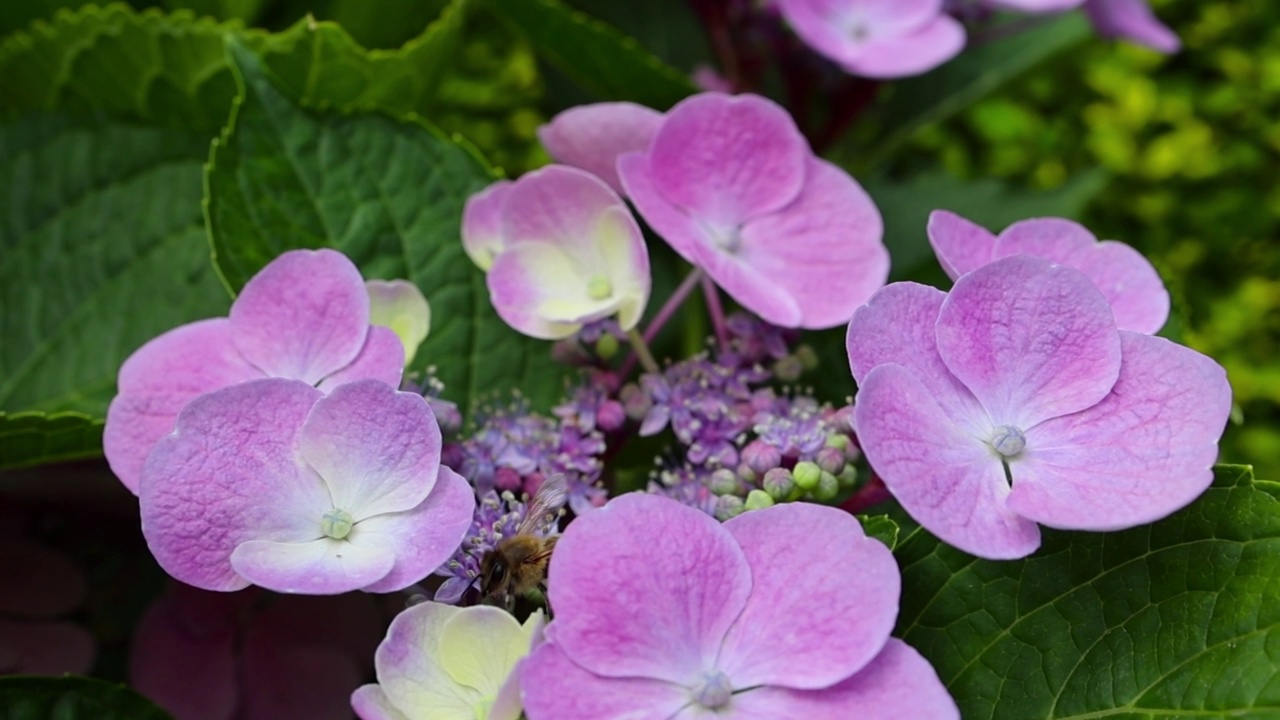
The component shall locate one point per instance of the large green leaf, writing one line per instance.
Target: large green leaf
(388, 194)
(1178, 619)
(72, 698)
(594, 55)
(35, 438)
(102, 248)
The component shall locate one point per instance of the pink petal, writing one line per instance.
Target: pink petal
(560, 205)
(1054, 239)
(227, 475)
(371, 703)
(824, 249)
(897, 685)
(158, 380)
(841, 29)
(39, 582)
(421, 539)
(381, 358)
(591, 137)
(409, 667)
(555, 688)
(1036, 6)
(183, 654)
(1137, 456)
(961, 245)
(910, 54)
(318, 567)
(805, 627)
(658, 608)
(725, 159)
(1030, 340)
(897, 326)
(482, 224)
(304, 316)
(48, 648)
(1133, 287)
(1133, 20)
(377, 450)
(950, 481)
(295, 680)
(755, 290)
(537, 289)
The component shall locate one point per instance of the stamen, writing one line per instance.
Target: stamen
(337, 524)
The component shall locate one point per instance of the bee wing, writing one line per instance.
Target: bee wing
(549, 498)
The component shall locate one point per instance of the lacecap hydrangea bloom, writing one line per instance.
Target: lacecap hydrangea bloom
(732, 186)
(1015, 401)
(662, 612)
(1126, 278)
(273, 483)
(439, 662)
(303, 316)
(877, 38)
(561, 250)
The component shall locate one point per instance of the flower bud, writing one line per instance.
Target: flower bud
(635, 401)
(761, 456)
(747, 475)
(788, 369)
(806, 475)
(724, 482)
(507, 479)
(838, 441)
(757, 499)
(778, 483)
(848, 477)
(610, 415)
(827, 489)
(728, 506)
(830, 460)
(607, 346)
(807, 356)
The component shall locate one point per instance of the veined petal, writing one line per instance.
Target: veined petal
(304, 316)
(561, 206)
(947, 479)
(1054, 239)
(961, 245)
(409, 669)
(591, 137)
(539, 290)
(318, 567)
(803, 627)
(1133, 20)
(482, 237)
(400, 306)
(658, 608)
(1142, 453)
(377, 450)
(381, 359)
(479, 647)
(907, 54)
(1137, 295)
(555, 688)
(625, 258)
(1031, 340)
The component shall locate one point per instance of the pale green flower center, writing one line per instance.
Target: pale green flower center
(1008, 441)
(599, 287)
(714, 691)
(337, 524)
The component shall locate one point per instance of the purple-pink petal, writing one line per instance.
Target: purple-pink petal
(158, 380)
(947, 478)
(877, 38)
(381, 358)
(1132, 20)
(303, 316)
(318, 567)
(803, 628)
(482, 224)
(557, 204)
(898, 684)
(658, 608)
(1129, 282)
(371, 703)
(591, 137)
(1054, 239)
(1031, 340)
(909, 54)
(1142, 453)
(553, 687)
(961, 245)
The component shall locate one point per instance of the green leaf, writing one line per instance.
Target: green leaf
(388, 194)
(594, 55)
(102, 249)
(35, 438)
(72, 698)
(915, 102)
(880, 527)
(1176, 619)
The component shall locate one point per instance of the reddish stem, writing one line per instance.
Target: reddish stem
(873, 492)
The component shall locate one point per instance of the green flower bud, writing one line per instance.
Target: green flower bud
(827, 489)
(838, 441)
(606, 346)
(807, 357)
(757, 499)
(778, 483)
(724, 482)
(806, 475)
(728, 506)
(848, 477)
(788, 369)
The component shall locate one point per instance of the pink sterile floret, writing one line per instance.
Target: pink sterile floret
(731, 184)
(877, 38)
(561, 249)
(663, 612)
(591, 137)
(272, 483)
(1128, 281)
(1020, 373)
(304, 316)
(1129, 19)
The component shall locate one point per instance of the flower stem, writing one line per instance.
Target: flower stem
(641, 350)
(872, 492)
(673, 303)
(717, 312)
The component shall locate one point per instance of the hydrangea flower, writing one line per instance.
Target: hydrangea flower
(447, 663)
(1128, 281)
(1014, 400)
(663, 612)
(591, 137)
(877, 38)
(303, 316)
(563, 251)
(1129, 19)
(400, 306)
(272, 483)
(731, 184)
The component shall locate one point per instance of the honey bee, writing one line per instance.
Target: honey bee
(518, 564)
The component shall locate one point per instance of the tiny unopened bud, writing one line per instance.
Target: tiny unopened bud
(848, 477)
(830, 460)
(839, 441)
(778, 483)
(724, 482)
(729, 506)
(828, 487)
(610, 415)
(607, 346)
(757, 499)
(806, 475)
(807, 356)
(788, 369)
(761, 456)
(507, 479)
(635, 401)
(747, 475)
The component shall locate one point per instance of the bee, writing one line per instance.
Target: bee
(518, 564)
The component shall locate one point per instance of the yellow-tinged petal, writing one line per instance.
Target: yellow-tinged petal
(400, 306)
(479, 646)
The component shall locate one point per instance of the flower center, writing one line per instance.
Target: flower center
(1008, 441)
(714, 691)
(599, 287)
(337, 524)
